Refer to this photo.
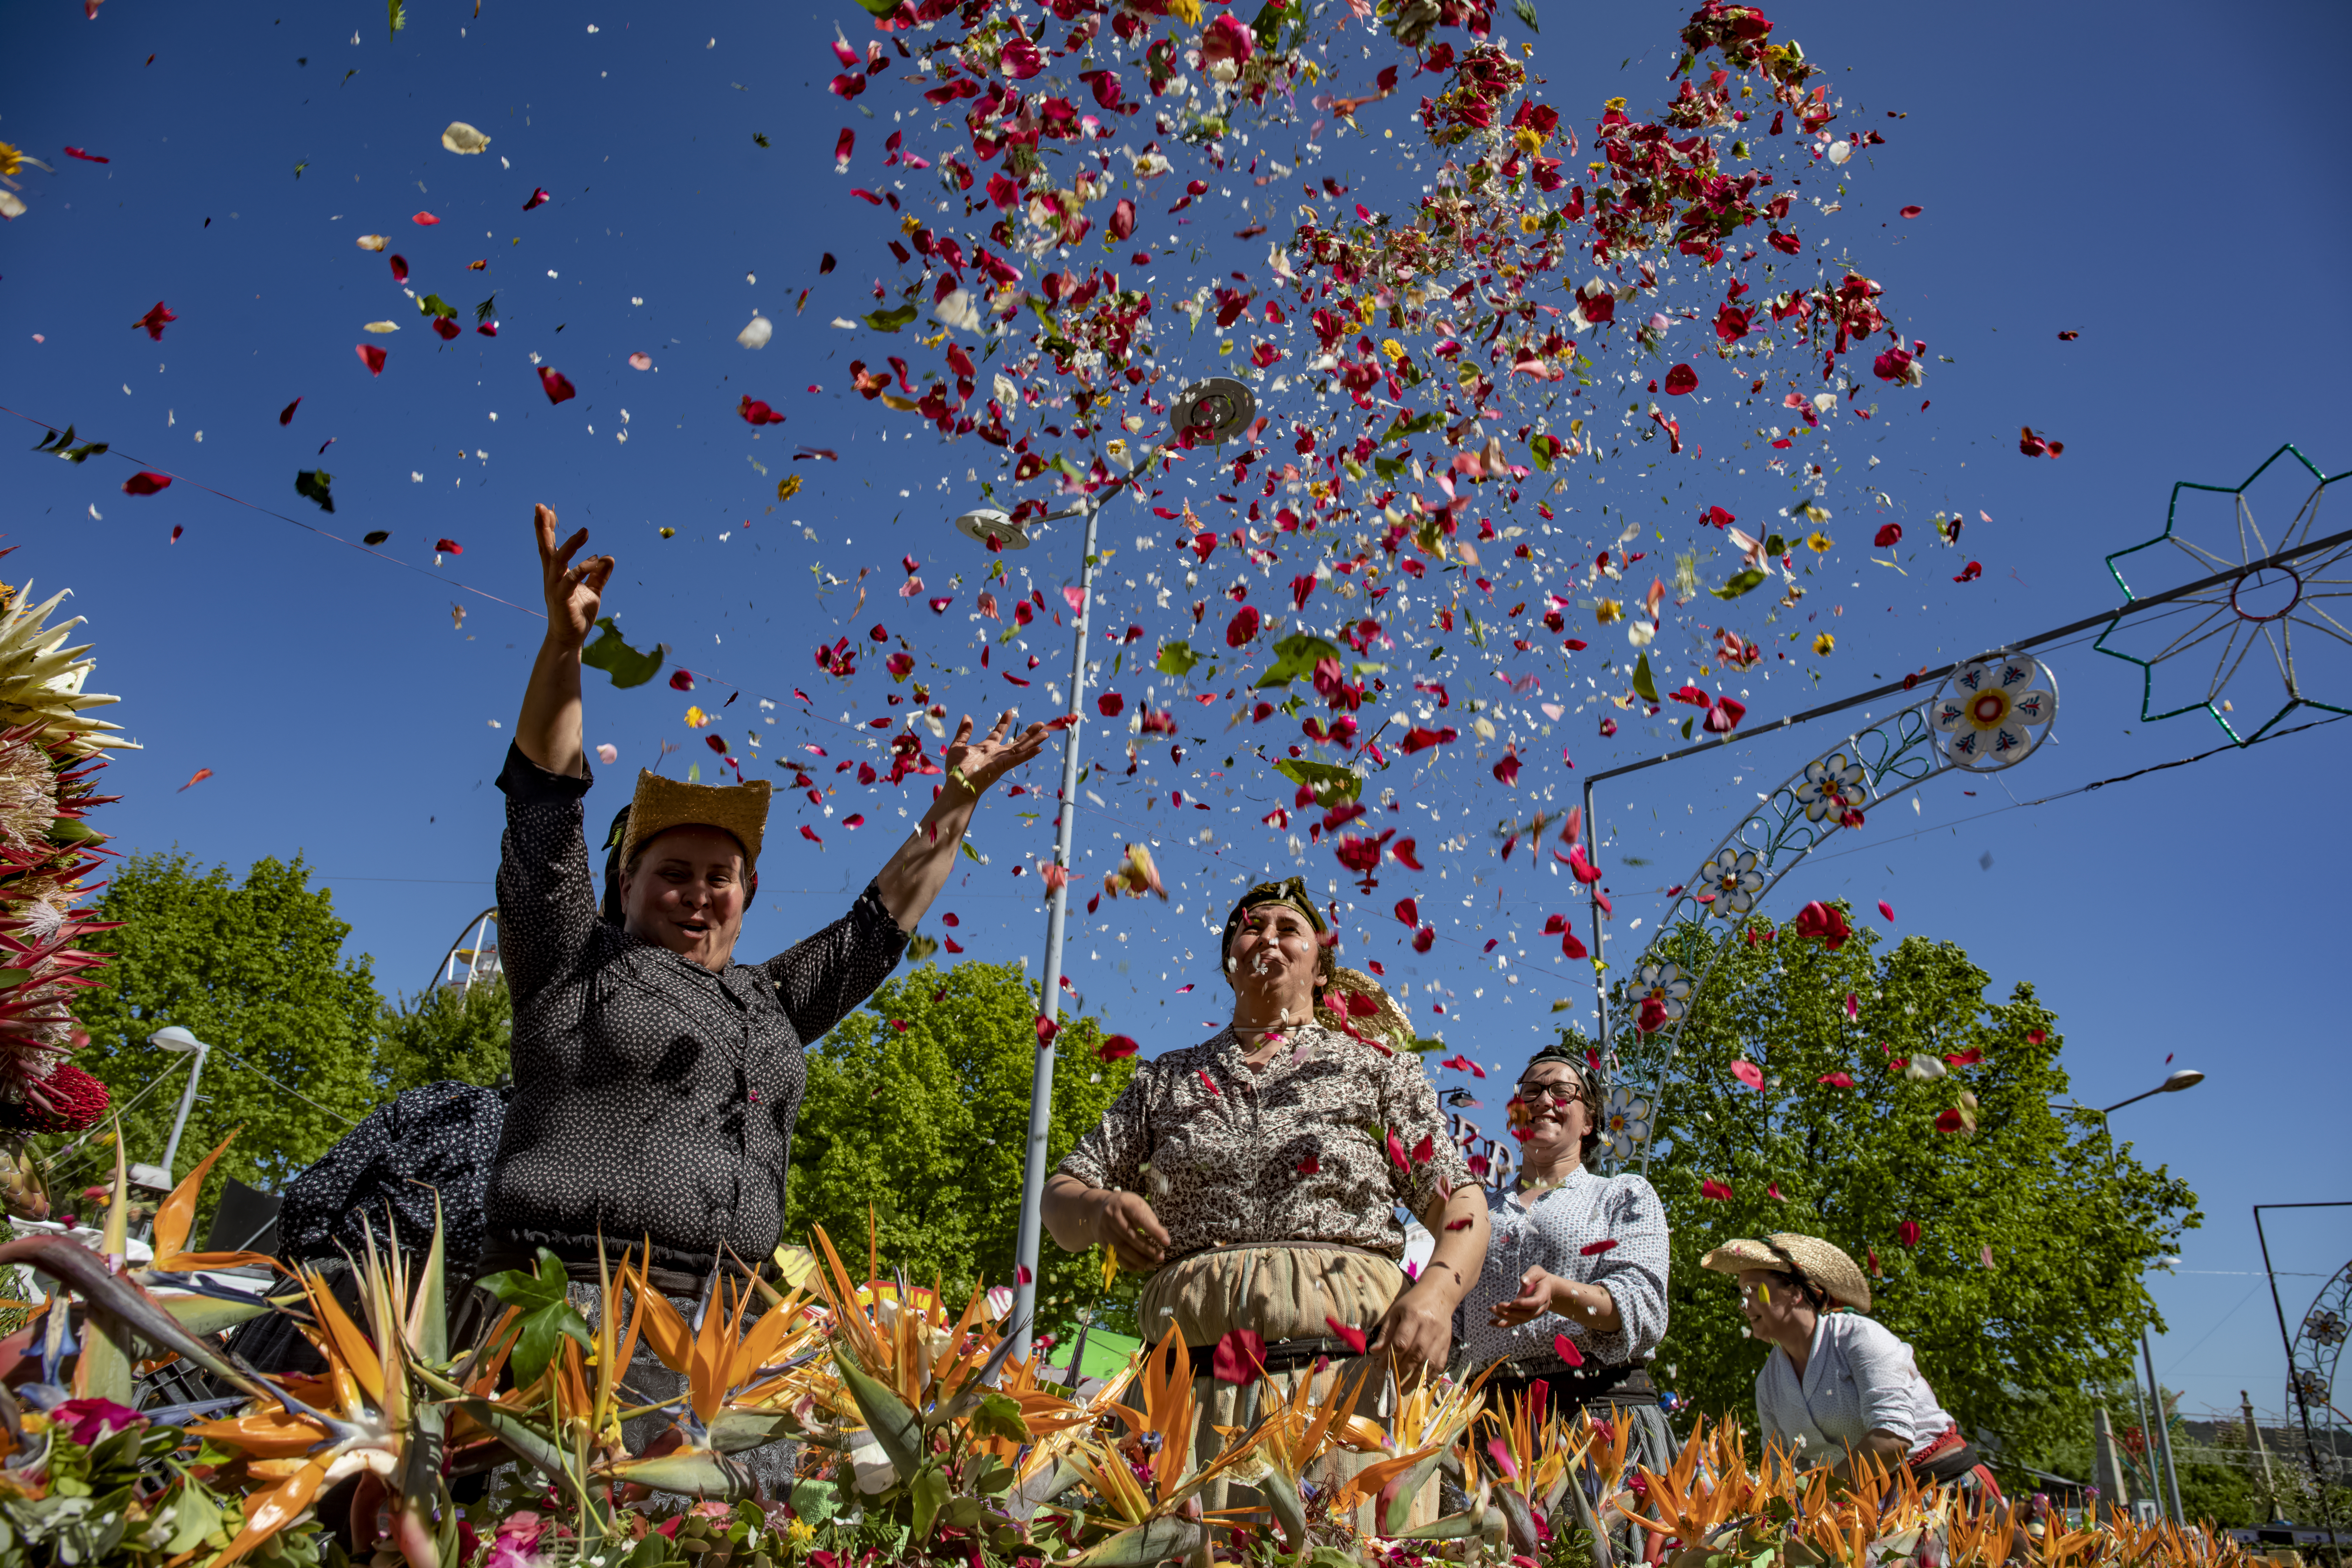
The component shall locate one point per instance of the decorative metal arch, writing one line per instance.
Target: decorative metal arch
(2241, 613)
(1992, 714)
(2318, 1346)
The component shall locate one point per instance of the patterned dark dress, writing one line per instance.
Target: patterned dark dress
(653, 1099)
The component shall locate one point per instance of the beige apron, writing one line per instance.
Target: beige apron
(1284, 1291)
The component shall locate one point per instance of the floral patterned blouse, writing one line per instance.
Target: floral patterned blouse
(1306, 1148)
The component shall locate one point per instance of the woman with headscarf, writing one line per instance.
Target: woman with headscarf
(1837, 1384)
(1255, 1177)
(656, 1079)
(1572, 1299)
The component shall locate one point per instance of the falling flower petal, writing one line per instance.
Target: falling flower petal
(371, 242)
(557, 388)
(1680, 380)
(145, 484)
(372, 356)
(756, 335)
(538, 197)
(1567, 1351)
(640, 362)
(1749, 1074)
(463, 138)
(1708, 1187)
(1115, 1047)
(608, 754)
(286, 414)
(424, 220)
(155, 321)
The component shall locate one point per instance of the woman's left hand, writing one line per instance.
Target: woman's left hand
(976, 764)
(1418, 1332)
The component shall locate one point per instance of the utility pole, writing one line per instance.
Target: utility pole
(2110, 1470)
(2254, 1441)
(2171, 1479)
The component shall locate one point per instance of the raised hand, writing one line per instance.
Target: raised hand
(574, 593)
(976, 764)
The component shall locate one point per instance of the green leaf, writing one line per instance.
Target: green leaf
(1000, 1416)
(1176, 658)
(1775, 545)
(895, 1428)
(614, 655)
(529, 1289)
(1154, 1541)
(887, 320)
(1644, 686)
(1331, 783)
(1740, 583)
(814, 1502)
(15, 976)
(488, 308)
(434, 305)
(930, 1494)
(398, 15)
(313, 484)
(548, 1317)
(1526, 14)
(1295, 656)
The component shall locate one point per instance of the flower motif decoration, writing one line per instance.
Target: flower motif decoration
(1660, 994)
(1734, 877)
(1994, 711)
(1625, 1122)
(1836, 788)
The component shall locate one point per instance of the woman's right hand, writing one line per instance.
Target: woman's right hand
(1125, 1224)
(574, 593)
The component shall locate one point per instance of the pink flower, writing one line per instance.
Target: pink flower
(88, 1420)
(1228, 39)
(1021, 59)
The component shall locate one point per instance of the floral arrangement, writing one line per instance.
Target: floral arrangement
(50, 753)
(921, 1438)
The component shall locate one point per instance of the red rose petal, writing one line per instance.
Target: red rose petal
(424, 220)
(372, 355)
(146, 484)
(1680, 380)
(557, 388)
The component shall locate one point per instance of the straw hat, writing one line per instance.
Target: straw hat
(1357, 1000)
(663, 804)
(1807, 1257)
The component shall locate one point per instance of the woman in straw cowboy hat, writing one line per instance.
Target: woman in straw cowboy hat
(1836, 1385)
(1256, 1176)
(656, 1079)
(1573, 1296)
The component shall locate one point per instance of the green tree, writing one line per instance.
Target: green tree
(447, 1033)
(255, 971)
(918, 1109)
(2019, 1288)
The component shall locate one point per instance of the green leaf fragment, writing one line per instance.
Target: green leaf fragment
(1644, 686)
(313, 484)
(614, 655)
(890, 320)
(1176, 658)
(1739, 583)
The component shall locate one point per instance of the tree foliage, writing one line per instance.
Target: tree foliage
(447, 1032)
(2021, 1287)
(918, 1109)
(254, 970)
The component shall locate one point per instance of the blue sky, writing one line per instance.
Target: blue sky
(2066, 181)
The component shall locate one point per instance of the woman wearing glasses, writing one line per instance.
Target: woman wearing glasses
(1572, 1299)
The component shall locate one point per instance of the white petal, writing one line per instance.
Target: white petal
(463, 138)
(756, 334)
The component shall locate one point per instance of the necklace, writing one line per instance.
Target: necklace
(1538, 1188)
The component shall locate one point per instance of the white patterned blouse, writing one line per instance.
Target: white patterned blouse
(1554, 1234)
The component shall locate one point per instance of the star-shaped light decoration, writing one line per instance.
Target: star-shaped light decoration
(2278, 601)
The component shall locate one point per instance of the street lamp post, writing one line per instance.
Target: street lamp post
(171, 1038)
(1211, 413)
(2161, 1431)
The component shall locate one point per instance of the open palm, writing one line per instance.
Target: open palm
(980, 763)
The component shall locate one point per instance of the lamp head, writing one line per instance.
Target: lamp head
(171, 1038)
(987, 525)
(2186, 1078)
(1213, 412)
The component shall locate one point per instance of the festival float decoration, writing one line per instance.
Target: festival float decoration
(922, 1440)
